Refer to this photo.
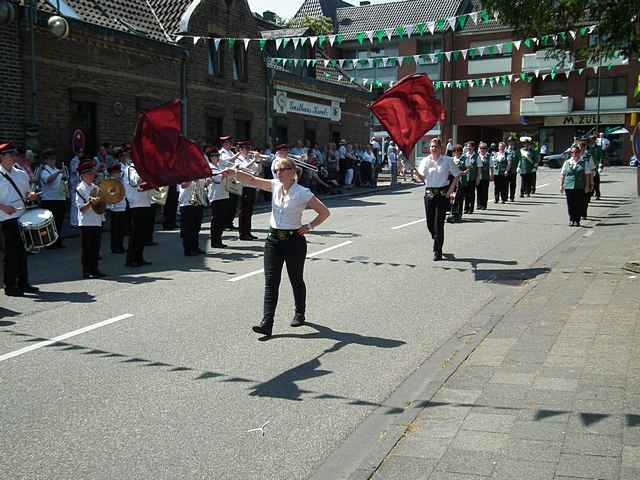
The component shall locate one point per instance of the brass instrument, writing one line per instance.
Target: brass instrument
(112, 191)
(299, 160)
(158, 195)
(99, 205)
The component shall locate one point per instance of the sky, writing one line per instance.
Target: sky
(288, 8)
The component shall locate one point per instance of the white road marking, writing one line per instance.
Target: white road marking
(259, 429)
(311, 255)
(408, 224)
(46, 343)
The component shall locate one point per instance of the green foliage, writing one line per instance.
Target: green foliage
(618, 22)
(317, 25)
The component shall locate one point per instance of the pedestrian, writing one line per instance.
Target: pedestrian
(118, 213)
(435, 170)
(74, 181)
(221, 208)
(460, 160)
(528, 159)
(471, 162)
(513, 159)
(15, 195)
(484, 175)
(499, 164)
(574, 182)
(139, 208)
(89, 219)
(348, 166)
(392, 159)
(286, 241)
(450, 148)
(192, 199)
(248, 197)
(54, 186)
(597, 151)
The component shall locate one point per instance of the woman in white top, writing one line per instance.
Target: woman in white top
(434, 170)
(286, 242)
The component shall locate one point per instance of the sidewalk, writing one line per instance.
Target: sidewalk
(552, 390)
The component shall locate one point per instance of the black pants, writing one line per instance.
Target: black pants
(15, 257)
(525, 184)
(90, 248)
(366, 173)
(150, 224)
(500, 188)
(596, 184)
(58, 208)
(436, 211)
(170, 209)
(585, 206)
(456, 208)
(512, 180)
(140, 219)
(470, 197)
(247, 202)
(293, 252)
(483, 193)
(221, 216)
(190, 222)
(575, 203)
(234, 201)
(118, 230)
(534, 179)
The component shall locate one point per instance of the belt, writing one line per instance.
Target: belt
(282, 234)
(437, 190)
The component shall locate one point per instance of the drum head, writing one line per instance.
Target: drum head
(35, 217)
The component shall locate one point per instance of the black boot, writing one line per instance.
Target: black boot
(265, 328)
(298, 320)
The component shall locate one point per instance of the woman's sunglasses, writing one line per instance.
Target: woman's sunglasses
(278, 170)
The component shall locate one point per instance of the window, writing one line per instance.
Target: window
(243, 129)
(488, 93)
(608, 86)
(214, 128)
(490, 50)
(84, 117)
(240, 62)
(430, 45)
(595, 40)
(216, 59)
(559, 86)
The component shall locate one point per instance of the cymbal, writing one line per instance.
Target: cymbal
(111, 190)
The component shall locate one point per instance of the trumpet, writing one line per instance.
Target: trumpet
(298, 160)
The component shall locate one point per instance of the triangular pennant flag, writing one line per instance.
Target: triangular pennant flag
(262, 42)
(544, 76)
(580, 70)
(554, 72)
(484, 81)
(178, 38)
(537, 72)
(321, 40)
(452, 23)
(216, 43)
(583, 31)
(592, 28)
(433, 58)
(246, 43)
(523, 76)
(595, 68)
(573, 34)
(567, 73)
(278, 43)
(470, 83)
(500, 48)
(339, 39)
(400, 31)
(481, 51)
(462, 21)
(464, 53)
(416, 59)
(332, 39)
(431, 26)
(196, 40)
(554, 38)
(389, 32)
(384, 62)
(365, 81)
(516, 43)
(448, 55)
(409, 30)
(563, 36)
(484, 16)
(296, 42)
(496, 14)
(535, 40)
(371, 34)
(474, 17)
(326, 63)
(231, 42)
(441, 25)
(528, 42)
(341, 62)
(340, 77)
(360, 37)
(510, 76)
(313, 40)
(420, 28)
(285, 42)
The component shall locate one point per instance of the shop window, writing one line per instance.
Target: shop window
(216, 59)
(243, 130)
(240, 62)
(609, 86)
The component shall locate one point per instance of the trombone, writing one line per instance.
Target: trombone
(298, 160)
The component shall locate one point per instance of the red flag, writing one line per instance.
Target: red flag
(409, 110)
(161, 155)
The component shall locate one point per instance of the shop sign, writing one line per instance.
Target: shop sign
(283, 104)
(589, 119)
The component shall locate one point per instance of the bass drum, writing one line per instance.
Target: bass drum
(37, 229)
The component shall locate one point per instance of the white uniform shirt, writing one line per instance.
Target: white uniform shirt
(436, 173)
(121, 206)
(53, 190)
(8, 194)
(392, 156)
(88, 218)
(136, 198)
(286, 210)
(225, 154)
(367, 157)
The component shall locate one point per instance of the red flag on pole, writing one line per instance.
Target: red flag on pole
(162, 156)
(409, 110)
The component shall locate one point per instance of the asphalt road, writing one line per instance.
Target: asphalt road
(156, 374)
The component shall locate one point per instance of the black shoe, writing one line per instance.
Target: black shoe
(118, 251)
(504, 201)
(144, 263)
(133, 264)
(248, 237)
(598, 197)
(264, 329)
(577, 224)
(29, 289)
(218, 245)
(150, 244)
(437, 256)
(572, 224)
(298, 320)
(522, 195)
(201, 252)
(98, 274)
(86, 275)
(191, 254)
(13, 292)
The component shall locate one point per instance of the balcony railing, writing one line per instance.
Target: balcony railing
(546, 105)
(488, 107)
(489, 65)
(615, 102)
(540, 61)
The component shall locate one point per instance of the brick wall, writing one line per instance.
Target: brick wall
(11, 79)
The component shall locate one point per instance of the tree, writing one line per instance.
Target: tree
(618, 22)
(317, 25)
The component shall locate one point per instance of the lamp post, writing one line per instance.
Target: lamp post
(32, 130)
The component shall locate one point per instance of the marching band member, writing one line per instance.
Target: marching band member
(54, 191)
(192, 199)
(484, 176)
(460, 160)
(434, 170)
(499, 165)
(89, 220)
(574, 182)
(528, 159)
(227, 156)
(220, 203)
(471, 161)
(513, 159)
(597, 155)
(248, 199)
(118, 213)
(139, 204)
(14, 195)
(286, 242)
(584, 144)
(74, 181)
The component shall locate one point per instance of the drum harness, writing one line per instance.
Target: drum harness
(13, 184)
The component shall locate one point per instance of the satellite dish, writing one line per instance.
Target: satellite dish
(58, 26)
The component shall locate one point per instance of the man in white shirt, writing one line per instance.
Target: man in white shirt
(248, 198)
(392, 159)
(89, 220)
(14, 196)
(53, 186)
(298, 150)
(219, 201)
(139, 206)
(228, 158)
(118, 213)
